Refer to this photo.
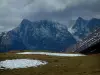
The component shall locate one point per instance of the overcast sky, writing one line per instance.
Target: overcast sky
(12, 12)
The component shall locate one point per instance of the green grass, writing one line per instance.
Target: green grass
(89, 65)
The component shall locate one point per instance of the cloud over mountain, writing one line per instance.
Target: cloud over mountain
(13, 11)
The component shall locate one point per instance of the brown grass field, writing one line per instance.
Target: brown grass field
(88, 65)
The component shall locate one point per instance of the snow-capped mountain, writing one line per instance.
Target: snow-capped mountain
(38, 35)
(82, 28)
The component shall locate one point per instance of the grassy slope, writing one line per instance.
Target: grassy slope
(89, 65)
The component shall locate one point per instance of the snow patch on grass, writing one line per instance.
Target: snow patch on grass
(20, 63)
(52, 54)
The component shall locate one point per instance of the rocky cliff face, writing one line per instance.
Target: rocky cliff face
(39, 35)
(82, 28)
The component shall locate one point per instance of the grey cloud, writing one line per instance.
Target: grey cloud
(13, 11)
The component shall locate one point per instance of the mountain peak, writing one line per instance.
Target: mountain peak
(80, 21)
(25, 21)
(80, 18)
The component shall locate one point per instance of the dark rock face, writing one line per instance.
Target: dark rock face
(83, 28)
(39, 35)
(89, 45)
(80, 28)
(93, 24)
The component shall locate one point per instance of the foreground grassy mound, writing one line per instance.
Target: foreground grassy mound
(88, 65)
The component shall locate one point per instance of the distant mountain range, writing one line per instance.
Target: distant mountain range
(46, 35)
(82, 28)
(38, 35)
